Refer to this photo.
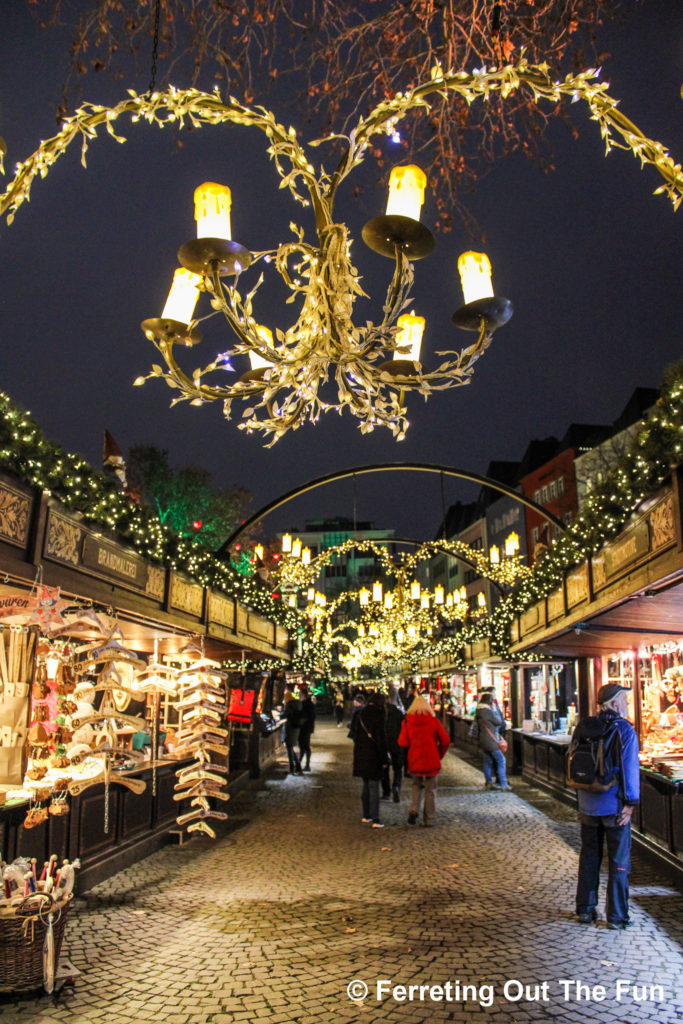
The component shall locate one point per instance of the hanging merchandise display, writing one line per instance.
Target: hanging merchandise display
(113, 667)
(17, 657)
(201, 734)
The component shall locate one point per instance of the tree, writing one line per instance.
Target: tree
(339, 57)
(185, 499)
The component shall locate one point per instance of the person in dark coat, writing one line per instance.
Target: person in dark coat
(306, 727)
(291, 712)
(395, 716)
(490, 727)
(370, 754)
(427, 742)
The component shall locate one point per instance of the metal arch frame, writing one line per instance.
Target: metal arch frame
(388, 467)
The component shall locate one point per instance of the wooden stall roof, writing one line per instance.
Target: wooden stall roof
(630, 594)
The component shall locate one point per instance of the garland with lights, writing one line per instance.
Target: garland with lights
(638, 474)
(73, 482)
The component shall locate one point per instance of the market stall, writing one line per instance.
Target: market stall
(617, 618)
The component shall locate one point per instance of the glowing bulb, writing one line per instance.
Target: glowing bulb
(481, 599)
(512, 545)
(182, 297)
(406, 191)
(258, 551)
(439, 594)
(389, 601)
(377, 591)
(415, 591)
(257, 361)
(475, 275)
(409, 337)
(286, 545)
(212, 210)
(494, 554)
(305, 556)
(364, 597)
(296, 548)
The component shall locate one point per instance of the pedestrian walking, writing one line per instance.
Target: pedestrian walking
(370, 754)
(306, 726)
(391, 786)
(605, 815)
(426, 741)
(291, 712)
(489, 725)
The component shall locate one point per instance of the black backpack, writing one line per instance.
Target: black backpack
(593, 760)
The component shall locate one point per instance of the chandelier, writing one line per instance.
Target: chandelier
(289, 376)
(323, 349)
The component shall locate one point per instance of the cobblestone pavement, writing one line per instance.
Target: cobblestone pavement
(271, 923)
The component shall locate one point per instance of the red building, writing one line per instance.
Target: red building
(553, 485)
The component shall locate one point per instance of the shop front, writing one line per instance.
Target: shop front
(123, 694)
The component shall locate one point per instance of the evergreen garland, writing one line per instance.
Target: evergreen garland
(26, 454)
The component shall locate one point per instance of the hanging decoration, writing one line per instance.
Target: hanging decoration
(324, 344)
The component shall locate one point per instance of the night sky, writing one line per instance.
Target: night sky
(589, 257)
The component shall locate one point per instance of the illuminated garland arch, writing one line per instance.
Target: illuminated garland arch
(322, 274)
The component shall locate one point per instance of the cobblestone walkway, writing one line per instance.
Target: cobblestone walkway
(274, 921)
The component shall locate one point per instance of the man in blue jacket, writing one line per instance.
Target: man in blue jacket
(607, 816)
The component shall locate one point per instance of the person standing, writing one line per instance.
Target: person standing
(606, 816)
(306, 726)
(490, 730)
(291, 712)
(370, 754)
(395, 716)
(427, 742)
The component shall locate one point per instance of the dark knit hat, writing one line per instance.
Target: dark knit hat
(608, 691)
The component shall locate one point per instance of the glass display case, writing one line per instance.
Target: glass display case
(661, 711)
(550, 697)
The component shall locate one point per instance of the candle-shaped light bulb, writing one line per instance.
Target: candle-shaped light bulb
(286, 545)
(305, 556)
(257, 361)
(389, 601)
(364, 597)
(494, 554)
(310, 594)
(258, 551)
(377, 591)
(424, 601)
(415, 590)
(406, 191)
(463, 594)
(182, 297)
(481, 599)
(296, 548)
(291, 600)
(475, 276)
(409, 337)
(512, 545)
(212, 210)
(439, 595)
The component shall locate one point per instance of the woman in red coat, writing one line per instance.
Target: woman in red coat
(427, 742)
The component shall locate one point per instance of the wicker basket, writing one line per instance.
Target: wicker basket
(22, 935)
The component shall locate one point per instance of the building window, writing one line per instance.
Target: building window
(560, 485)
(534, 537)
